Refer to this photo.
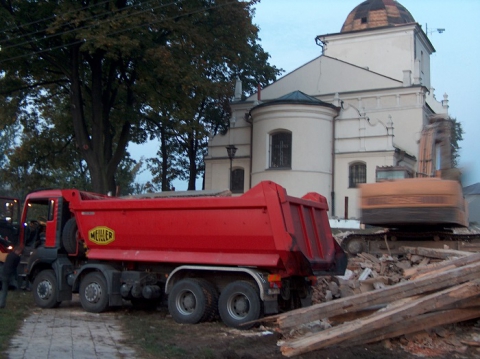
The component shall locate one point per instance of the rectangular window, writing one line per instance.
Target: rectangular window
(281, 150)
(357, 174)
(238, 180)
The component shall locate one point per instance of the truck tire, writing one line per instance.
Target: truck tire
(45, 289)
(239, 303)
(187, 302)
(69, 236)
(94, 293)
(211, 305)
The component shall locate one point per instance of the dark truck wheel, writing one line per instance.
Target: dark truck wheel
(94, 293)
(187, 302)
(211, 304)
(239, 303)
(45, 289)
(69, 236)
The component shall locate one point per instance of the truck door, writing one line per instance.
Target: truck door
(40, 225)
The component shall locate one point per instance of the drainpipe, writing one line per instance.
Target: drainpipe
(333, 166)
(249, 119)
(337, 102)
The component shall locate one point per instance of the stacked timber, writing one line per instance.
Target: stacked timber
(440, 290)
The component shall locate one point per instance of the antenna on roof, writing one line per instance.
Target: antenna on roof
(440, 30)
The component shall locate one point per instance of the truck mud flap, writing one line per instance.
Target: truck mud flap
(63, 268)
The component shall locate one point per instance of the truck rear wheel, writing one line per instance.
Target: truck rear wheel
(94, 293)
(239, 303)
(211, 305)
(45, 289)
(187, 302)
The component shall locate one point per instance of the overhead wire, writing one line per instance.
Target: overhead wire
(109, 33)
(78, 28)
(19, 26)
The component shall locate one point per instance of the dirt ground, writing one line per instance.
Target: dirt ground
(216, 341)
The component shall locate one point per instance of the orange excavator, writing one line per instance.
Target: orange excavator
(427, 210)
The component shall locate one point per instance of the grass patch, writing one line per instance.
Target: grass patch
(156, 335)
(19, 306)
(150, 332)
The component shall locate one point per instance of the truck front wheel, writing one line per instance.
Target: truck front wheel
(239, 303)
(187, 302)
(94, 293)
(45, 289)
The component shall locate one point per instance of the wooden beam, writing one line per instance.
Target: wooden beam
(435, 253)
(444, 265)
(380, 320)
(416, 324)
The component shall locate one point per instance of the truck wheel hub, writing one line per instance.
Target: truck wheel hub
(187, 303)
(93, 292)
(239, 306)
(44, 289)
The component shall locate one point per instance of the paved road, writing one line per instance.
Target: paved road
(69, 332)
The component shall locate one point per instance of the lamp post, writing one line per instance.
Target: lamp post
(231, 150)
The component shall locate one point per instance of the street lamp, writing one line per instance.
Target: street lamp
(231, 150)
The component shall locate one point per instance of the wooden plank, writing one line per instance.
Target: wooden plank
(416, 324)
(447, 264)
(464, 309)
(380, 320)
(294, 318)
(435, 253)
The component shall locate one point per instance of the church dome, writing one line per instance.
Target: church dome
(377, 13)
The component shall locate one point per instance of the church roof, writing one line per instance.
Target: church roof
(297, 97)
(377, 13)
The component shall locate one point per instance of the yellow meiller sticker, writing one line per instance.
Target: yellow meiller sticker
(101, 235)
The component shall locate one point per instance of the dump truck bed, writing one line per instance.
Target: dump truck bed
(263, 228)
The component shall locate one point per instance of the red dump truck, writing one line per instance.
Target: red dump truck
(241, 257)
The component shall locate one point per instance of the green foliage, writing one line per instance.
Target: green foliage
(86, 78)
(456, 137)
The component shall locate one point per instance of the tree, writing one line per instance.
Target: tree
(205, 63)
(455, 137)
(101, 58)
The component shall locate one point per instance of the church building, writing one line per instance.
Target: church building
(352, 115)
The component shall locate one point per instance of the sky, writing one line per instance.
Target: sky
(288, 29)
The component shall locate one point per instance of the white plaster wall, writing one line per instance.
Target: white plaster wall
(311, 128)
(325, 75)
(387, 51)
(217, 173)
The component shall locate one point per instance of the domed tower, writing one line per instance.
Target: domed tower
(377, 13)
(382, 36)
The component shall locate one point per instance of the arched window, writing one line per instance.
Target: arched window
(281, 150)
(238, 180)
(357, 174)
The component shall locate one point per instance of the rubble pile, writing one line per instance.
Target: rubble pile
(386, 297)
